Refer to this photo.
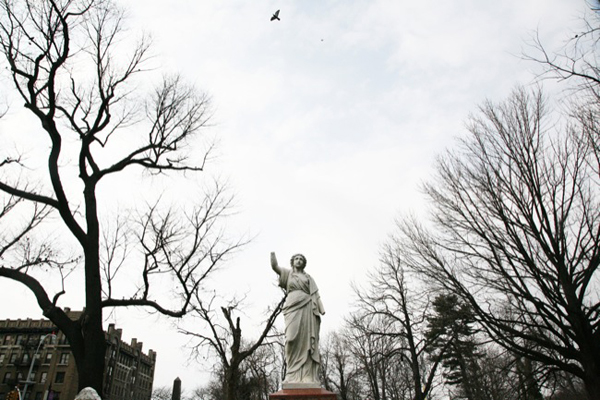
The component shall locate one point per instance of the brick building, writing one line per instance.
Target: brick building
(128, 373)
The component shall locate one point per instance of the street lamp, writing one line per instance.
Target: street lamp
(27, 381)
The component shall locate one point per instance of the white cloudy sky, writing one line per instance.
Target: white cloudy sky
(328, 120)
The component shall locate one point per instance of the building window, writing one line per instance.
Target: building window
(64, 358)
(43, 377)
(38, 396)
(25, 358)
(7, 377)
(54, 395)
(7, 339)
(31, 377)
(13, 358)
(2, 357)
(19, 339)
(48, 358)
(60, 377)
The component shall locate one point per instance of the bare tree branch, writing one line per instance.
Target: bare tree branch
(92, 125)
(517, 234)
(226, 340)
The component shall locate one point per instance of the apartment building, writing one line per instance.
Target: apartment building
(37, 345)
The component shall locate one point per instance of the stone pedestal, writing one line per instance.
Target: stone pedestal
(303, 394)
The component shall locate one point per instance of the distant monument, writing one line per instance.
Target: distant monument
(302, 313)
(176, 394)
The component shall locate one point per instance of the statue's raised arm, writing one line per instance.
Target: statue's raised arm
(274, 264)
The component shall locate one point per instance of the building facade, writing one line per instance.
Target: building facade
(38, 346)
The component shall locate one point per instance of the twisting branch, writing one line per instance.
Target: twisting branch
(226, 341)
(187, 250)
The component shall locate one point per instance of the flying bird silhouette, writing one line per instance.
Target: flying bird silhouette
(275, 16)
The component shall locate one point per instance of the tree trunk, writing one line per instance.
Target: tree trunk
(343, 390)
(90, 367)
(467, 383)
(589, 344)
(88, 345)
(231, 383)
(592, 386)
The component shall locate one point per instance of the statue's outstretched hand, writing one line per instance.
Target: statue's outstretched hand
(274, 263)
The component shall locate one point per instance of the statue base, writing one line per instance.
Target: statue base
(300, 385)
(303, 394)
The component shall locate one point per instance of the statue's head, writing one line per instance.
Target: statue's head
(87, 393)
(298, 261)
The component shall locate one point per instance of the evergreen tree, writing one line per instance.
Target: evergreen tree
(450, 329)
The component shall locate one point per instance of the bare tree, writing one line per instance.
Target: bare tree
(370, 352)
(567, 387)
(340, 371)
(94, 126)
(516, 234)
(403, 316)
(263, 369)
(226, 342)
(576, 61)
(212, 390)
(161, 393)
(383, 371)
(576, 65)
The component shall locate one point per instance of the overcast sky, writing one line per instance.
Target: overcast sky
(328, 121)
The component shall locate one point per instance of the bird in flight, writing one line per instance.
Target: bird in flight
(275, 16)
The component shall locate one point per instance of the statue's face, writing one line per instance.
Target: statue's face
(298, 262)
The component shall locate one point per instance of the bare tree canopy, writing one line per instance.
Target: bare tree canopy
(516, 233)
(393, 314)
(576, 61)
(93, 122)
(341, 372)
(241, 366)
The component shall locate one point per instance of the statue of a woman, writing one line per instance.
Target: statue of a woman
(302, 312)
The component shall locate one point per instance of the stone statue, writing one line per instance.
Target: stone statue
(302, 313)
(87, 393)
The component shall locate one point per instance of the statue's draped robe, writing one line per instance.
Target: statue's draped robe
(302, 312)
